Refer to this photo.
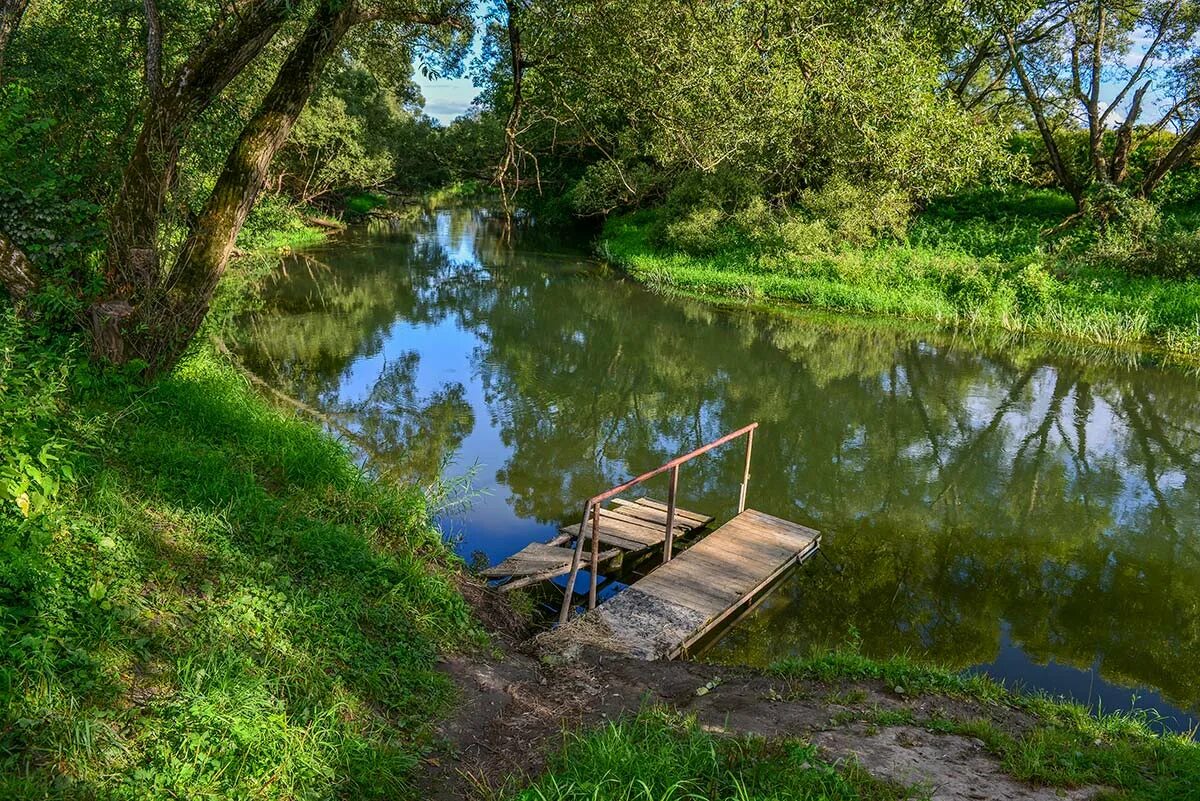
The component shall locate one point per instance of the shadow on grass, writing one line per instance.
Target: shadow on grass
(223, 606)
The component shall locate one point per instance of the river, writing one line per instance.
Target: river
(1024, 508)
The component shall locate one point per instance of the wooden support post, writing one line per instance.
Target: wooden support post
(569, 595)
(669, 541)
(746, 474)
(595, 567)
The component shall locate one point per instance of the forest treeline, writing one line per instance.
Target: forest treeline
(138, 138)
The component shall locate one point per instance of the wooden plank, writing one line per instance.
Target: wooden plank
(534, 556)
(630, 531)
(655, 532)
(546, 575)
(699, 519)
(609, 537)
(680, 602)
(655, 517)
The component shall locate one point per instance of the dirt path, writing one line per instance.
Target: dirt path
(514, 708)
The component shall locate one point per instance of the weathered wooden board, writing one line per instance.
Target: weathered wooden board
(679, 602)
(536, 558)
(632, 527)
(698, 519)
(656, 517)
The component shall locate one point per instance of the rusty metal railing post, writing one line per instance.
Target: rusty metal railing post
(595, 566)
(746, 474)
(669, 541)
(592, 507)
(569, 594)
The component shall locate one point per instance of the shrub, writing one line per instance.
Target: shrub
(860, 214)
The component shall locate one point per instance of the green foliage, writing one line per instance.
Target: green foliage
(661, 756)
(979, 260)
(784, 99)
(40, 205)
(1132, 234)
(216, 603)
(277, 223)
(859, 214)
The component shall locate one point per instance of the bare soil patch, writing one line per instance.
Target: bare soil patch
(516, 703)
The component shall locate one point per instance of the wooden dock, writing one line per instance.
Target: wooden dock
(630, 529)
(678, 603)
(686, 597)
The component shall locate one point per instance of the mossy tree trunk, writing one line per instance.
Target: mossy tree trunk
(132, 261)
(177, 312)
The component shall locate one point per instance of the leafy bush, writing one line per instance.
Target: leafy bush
(42, 210)
(35, 455)
(860, 214)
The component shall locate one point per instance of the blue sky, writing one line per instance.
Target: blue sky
(446, 98)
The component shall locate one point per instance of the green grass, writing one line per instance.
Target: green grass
(276, 225)
(203, 597)
(662, 756)
(977, 260)
(459, 192)
(1067, 746)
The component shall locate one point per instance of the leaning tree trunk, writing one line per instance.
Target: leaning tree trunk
(1184, 145)
(170, 321)
(132, 263)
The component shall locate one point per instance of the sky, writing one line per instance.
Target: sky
(446, 98)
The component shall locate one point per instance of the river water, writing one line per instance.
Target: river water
(991, 503)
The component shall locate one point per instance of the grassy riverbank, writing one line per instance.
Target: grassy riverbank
(976, 261)
(668, 753)
(201, 596)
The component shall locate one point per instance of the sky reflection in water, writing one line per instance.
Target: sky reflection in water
(1026, 509)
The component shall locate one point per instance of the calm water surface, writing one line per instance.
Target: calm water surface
(1027, 510)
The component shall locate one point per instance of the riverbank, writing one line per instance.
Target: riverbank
(204, 596)
(974, 263)
(834, 725)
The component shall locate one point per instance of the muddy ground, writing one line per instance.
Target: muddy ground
(515, 705)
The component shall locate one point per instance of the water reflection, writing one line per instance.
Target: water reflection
(985, 498)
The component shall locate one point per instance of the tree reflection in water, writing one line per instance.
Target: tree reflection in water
(980, 491)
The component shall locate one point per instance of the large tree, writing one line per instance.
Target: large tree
(158, 292)
(786, 95)
(1116, 72)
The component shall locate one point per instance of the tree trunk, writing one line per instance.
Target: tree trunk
(1057, 163)
(17, 274)
(1184, 145)
(132, 260)
(11, 12)
(1118, 168)
(175, 314)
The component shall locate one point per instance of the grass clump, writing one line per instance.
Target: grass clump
(900, 673)
(202, 597)
(981, 259)
(662, 756)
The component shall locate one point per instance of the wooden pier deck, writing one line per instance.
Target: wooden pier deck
(629, 529)
(690, 594)
(678, 603)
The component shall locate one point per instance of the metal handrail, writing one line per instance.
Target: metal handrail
(591, 508)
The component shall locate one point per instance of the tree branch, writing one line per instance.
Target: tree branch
(153, 50)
